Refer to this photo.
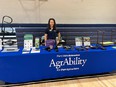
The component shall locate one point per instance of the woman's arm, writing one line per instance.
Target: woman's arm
(45, 37)
(59, 37)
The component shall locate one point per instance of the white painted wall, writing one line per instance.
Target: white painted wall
(64, 11)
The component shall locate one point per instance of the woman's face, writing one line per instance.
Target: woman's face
(51, 23)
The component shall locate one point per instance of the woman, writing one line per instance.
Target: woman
(51, 32)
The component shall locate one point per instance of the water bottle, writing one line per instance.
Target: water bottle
(37, 42)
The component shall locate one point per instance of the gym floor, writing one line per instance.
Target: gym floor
(108, 80)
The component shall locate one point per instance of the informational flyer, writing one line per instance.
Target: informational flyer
(78, 41)
(86, 41)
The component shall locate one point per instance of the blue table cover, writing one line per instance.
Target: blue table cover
(16, 67)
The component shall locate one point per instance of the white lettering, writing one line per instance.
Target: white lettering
(68, 62)
(52, 63)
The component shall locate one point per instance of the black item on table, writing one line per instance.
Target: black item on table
(56, 49)
(80, 48)
(67, 48)
(93, 47)
(100, 47)
(10, 42)
(48, 49)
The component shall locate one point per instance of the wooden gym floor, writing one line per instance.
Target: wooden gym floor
(96, 81)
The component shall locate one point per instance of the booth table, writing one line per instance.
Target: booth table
(16, 67)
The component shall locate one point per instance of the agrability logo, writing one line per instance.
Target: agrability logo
(68, 62)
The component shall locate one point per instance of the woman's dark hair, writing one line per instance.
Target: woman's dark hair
(54, 27)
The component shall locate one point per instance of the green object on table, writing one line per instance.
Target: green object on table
(114, 47)
(37, 42)
(28, 37)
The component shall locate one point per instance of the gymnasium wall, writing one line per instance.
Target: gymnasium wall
(64, 11)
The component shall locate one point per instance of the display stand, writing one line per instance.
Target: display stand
(8, 35)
